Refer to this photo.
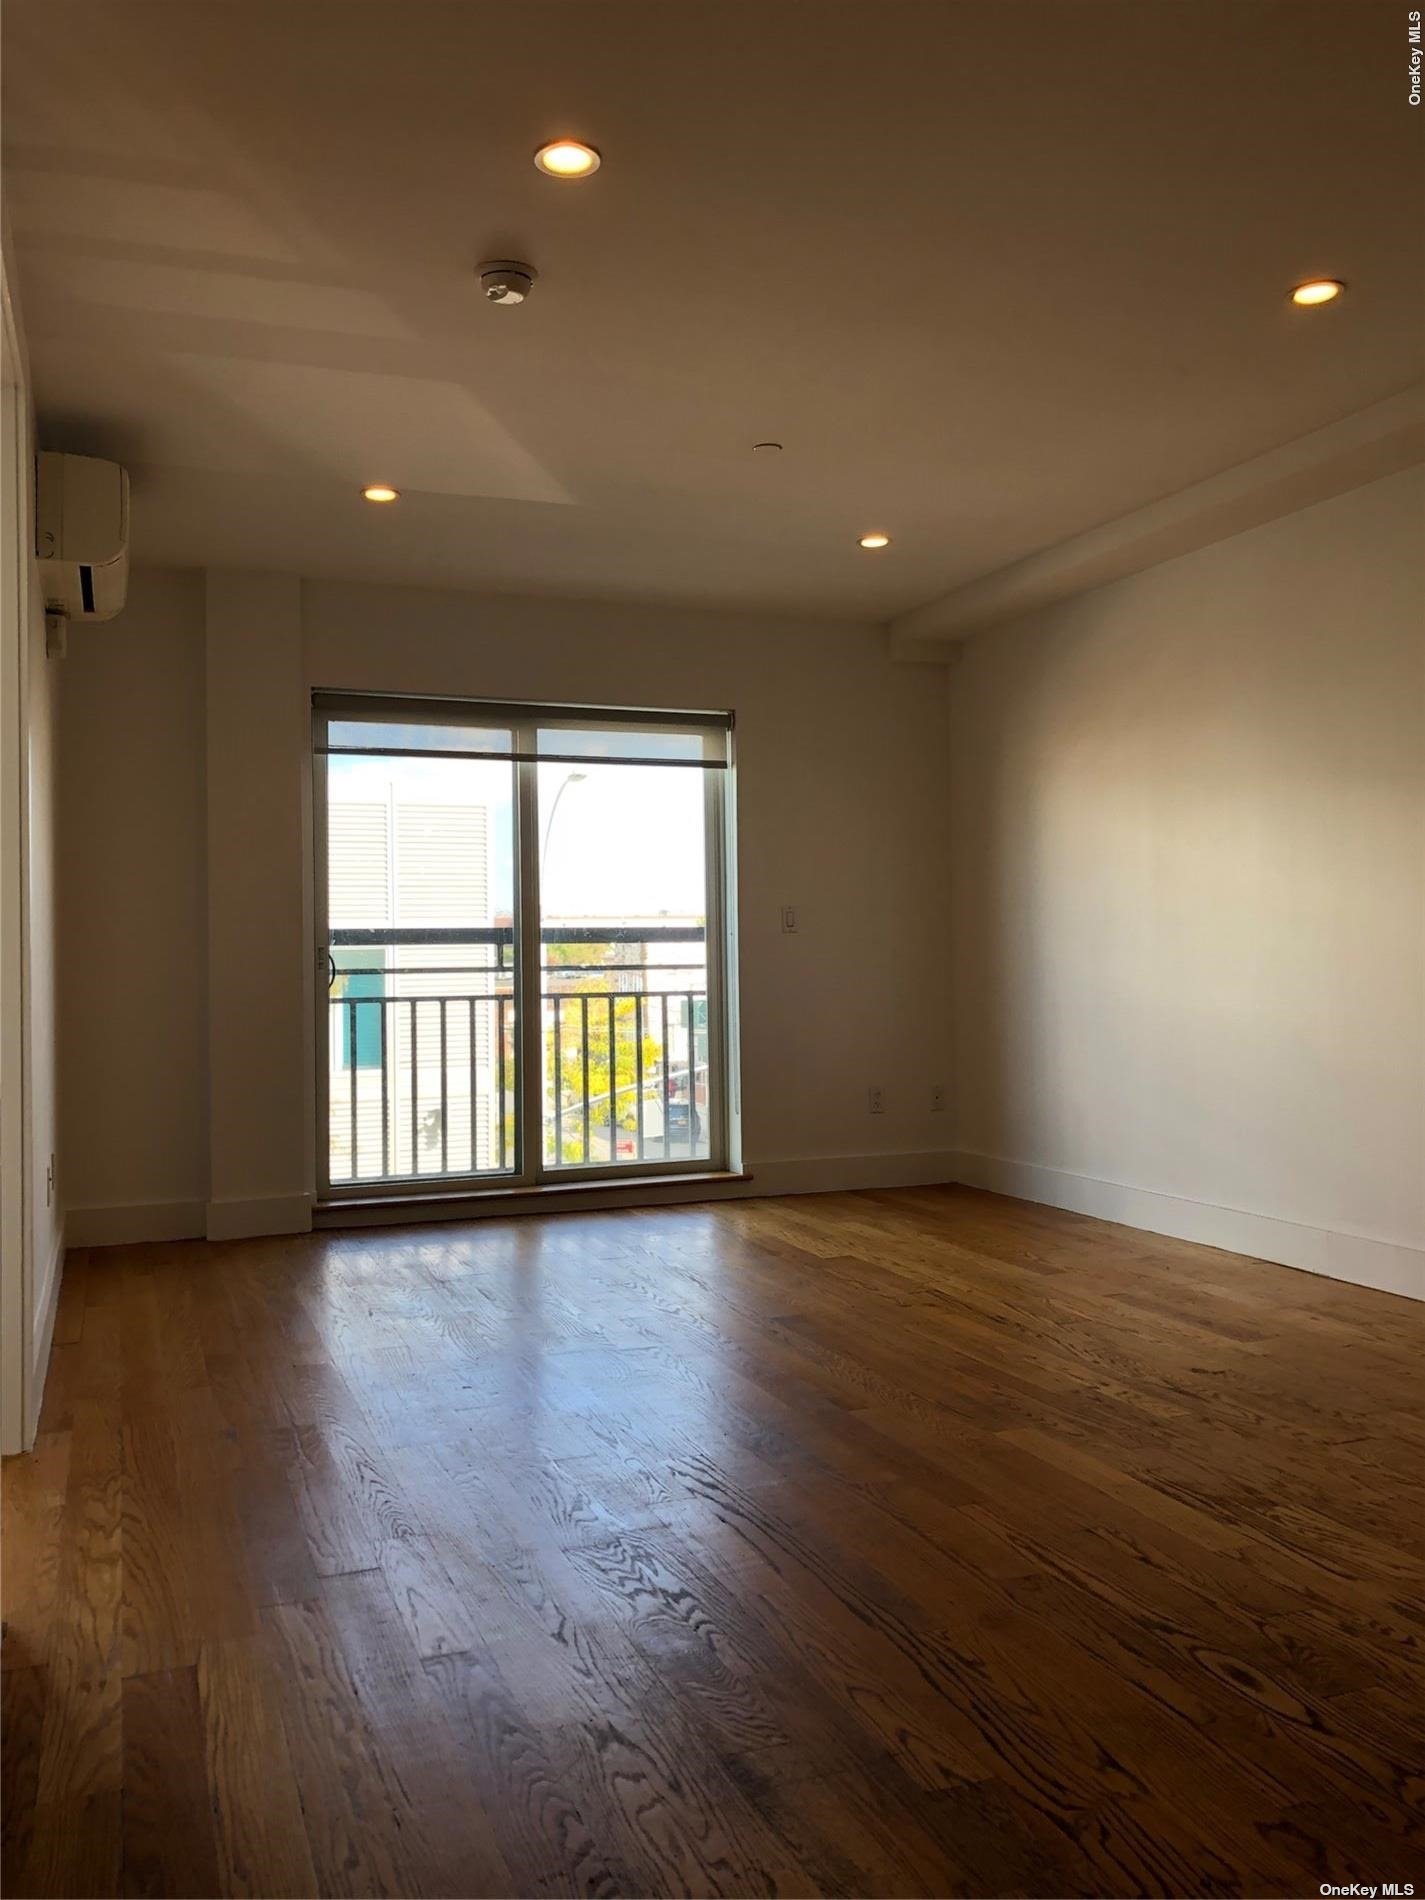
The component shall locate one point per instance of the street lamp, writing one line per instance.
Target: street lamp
(570, 778)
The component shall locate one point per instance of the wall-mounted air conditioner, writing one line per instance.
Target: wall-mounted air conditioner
(81, 535)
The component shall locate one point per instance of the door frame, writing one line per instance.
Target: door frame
(717, 786)
(530, 1173)
(16, 1211)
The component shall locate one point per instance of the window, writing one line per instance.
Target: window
(521, 938)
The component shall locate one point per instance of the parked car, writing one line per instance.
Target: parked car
(684, 1130)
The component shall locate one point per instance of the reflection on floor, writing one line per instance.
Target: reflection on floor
(900, 1543)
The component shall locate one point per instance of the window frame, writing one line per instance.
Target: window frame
(529, 1171)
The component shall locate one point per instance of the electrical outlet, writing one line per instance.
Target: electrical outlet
(789, 918)
(876, 1096)
(939, 1098)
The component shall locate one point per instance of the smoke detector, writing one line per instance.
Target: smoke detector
(505, 281)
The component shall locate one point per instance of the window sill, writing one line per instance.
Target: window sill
(644, 1190)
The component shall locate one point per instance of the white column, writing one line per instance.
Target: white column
(258, 949)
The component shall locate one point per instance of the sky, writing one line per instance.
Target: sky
(626, 840)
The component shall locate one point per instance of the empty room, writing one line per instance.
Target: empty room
(712, 964)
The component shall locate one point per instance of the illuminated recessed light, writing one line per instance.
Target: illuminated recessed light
(877, 540)
(567, 158)
(1319, 290)
(378, 491)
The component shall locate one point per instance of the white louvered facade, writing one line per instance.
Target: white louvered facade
(404, 865)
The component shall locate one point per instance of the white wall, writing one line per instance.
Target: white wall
(841, 812)
(31, 1176)
(1189, 872)
(132, 925)
(1183, 938)
(840, 795)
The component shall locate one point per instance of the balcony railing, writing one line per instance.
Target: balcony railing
(424, 1055)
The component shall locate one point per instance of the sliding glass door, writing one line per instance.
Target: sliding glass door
(520, 944)
(419, 1058)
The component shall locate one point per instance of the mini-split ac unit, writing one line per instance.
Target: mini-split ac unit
(81, 535)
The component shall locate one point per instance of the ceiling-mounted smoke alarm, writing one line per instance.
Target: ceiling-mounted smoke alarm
(504, 281)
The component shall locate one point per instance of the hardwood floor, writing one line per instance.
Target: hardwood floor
(901, 1543)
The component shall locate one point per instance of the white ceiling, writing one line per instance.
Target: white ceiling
(993, 272)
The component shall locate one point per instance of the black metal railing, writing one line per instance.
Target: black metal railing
(424, 1072)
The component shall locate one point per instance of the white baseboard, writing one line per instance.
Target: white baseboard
(1388, 1266)
(46, 1306)
(292, 1214)
(188, 1220)
(812, 1174)
(127, 1226)
(249, 1220)
(1358, 1258)
(826, 1174)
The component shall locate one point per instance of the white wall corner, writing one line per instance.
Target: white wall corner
(1386, 1266)
(256, 724)
(927, 650)
(1365, 447)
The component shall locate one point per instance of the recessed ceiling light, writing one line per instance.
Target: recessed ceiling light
(766, 448)
(378, 491)
(876, 540)
(1319, 290)
(567, 158)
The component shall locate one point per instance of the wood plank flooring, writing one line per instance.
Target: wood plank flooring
(901, 1543)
